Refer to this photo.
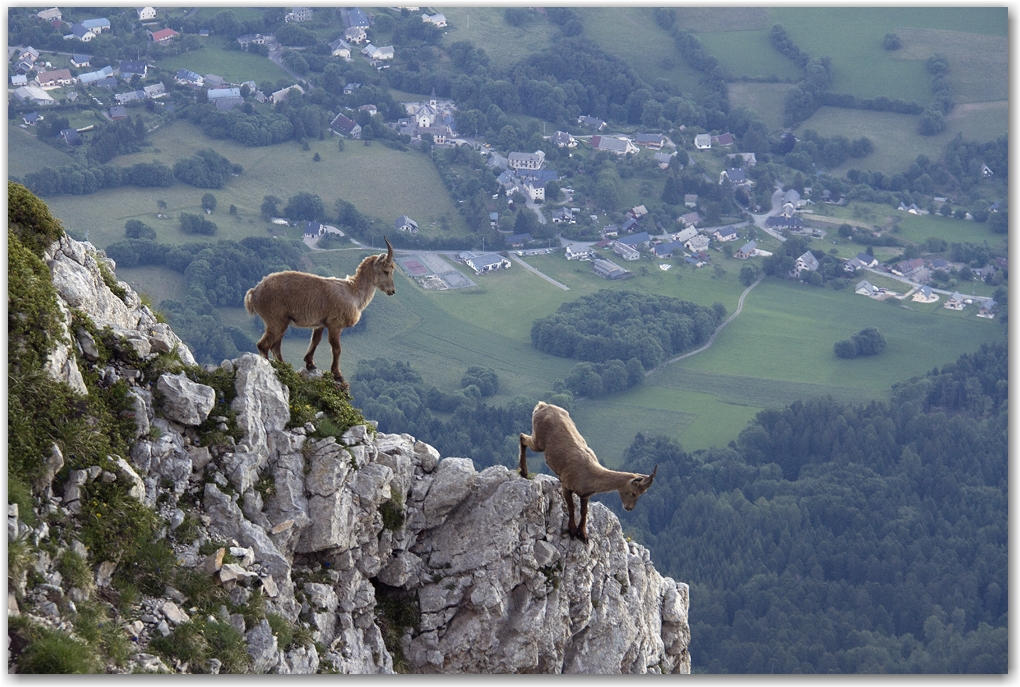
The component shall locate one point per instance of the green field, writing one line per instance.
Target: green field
(631, 34)
(862, 67)
(777, 351)
(26, 153)
(233, 65)
(749, 53)
(485, 28)
(895, 136)
(381, 182)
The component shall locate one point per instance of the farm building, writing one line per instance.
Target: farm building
(650, 141)
(609, 270)
(619, 146)
(625, 251)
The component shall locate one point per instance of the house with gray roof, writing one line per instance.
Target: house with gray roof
(591, 122)
(808, 262)
(487, 262)
(746, 251)
(405, 223)
(619, 146)
(609, 270)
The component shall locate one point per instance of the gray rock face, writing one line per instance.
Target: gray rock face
(338, 534)
(185, 401)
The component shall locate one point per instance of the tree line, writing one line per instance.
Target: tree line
(844, 538)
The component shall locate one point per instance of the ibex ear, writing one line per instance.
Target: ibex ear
(647, 481)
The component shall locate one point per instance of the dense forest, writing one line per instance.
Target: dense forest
(826, 538)
(832, 538)
(621, 325)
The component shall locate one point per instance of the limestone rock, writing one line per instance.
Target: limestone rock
(186, 402)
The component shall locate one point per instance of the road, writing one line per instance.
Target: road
(711, 339)
(544, 276)
(777, 206)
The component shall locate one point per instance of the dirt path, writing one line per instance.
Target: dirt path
(711, 339)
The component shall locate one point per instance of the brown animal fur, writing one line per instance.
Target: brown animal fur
(307, 300)
(568, 455)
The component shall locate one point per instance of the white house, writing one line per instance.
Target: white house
(725, 234)
(685, 234)
(55, 79)
(299, 14)
(81, 33)
(564, 140)
(808, 262)
(533, 190)
(405, 223)
(703, 141)
(378, 53)
(437, 20)
(340, 48)
(697, 243)
(487, 262)
(97, 26)
(579, 251)
(50, 14)
(283, 93)
(355, 34)
(533, 160)
(146, 13)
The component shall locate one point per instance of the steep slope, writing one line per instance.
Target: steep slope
(276, 531)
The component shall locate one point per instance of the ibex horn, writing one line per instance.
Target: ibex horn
(389, 248)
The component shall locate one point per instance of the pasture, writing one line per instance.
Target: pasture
(486, 28)
(895, 137)
(630, 33)
(233, 65)
(852, 37)
(26, 153)
(749, 53)
(764, 98)
(381, 182)
(777, 351)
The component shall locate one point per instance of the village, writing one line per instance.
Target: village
(523, 176)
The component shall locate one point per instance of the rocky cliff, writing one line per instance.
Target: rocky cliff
(297, 550)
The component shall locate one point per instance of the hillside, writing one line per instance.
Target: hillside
(165, 517)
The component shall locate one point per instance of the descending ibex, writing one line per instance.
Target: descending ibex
(568, 455)
(307, 300)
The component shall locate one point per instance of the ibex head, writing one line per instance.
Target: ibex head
(635, 487)
(384, 266)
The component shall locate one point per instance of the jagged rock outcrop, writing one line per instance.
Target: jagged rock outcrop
(389, 556)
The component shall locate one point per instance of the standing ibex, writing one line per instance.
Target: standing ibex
(568, 455)
(307, 300)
